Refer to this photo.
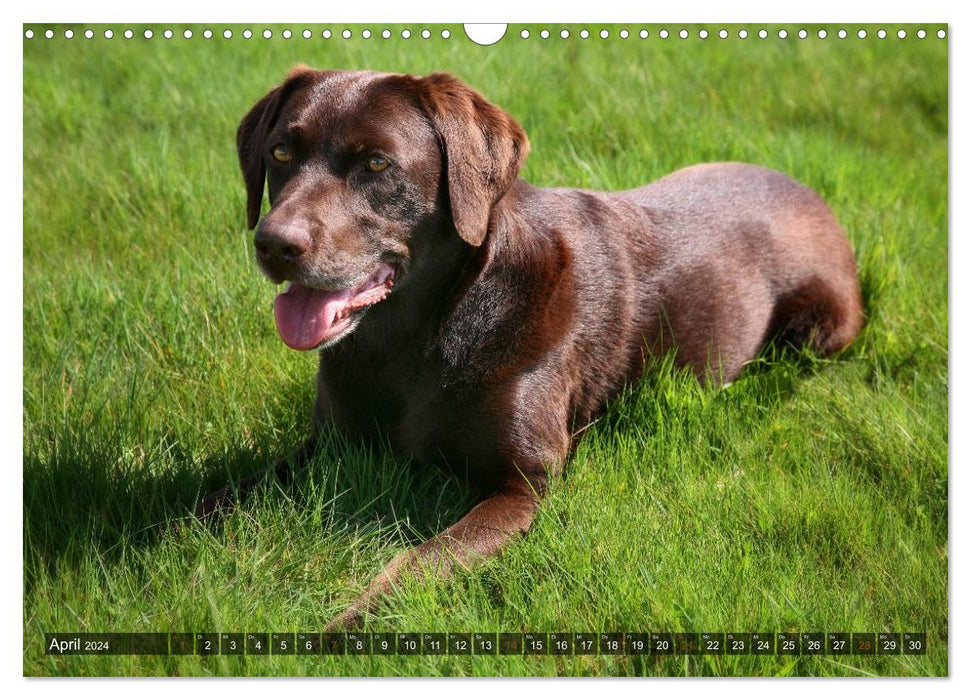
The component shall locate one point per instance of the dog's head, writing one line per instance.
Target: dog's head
(356, 163)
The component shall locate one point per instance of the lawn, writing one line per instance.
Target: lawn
(809, 496)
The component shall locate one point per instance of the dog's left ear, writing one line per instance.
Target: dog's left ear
(484, 150)
(251, 138)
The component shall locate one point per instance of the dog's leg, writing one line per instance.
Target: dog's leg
(540, 441)
(482, 533)
(224, 500)
(826, 313)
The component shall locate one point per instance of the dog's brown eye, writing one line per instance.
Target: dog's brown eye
(377, 163)
(281, 153)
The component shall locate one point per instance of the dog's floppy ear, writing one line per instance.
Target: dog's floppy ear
(251, 138)
(484, 150)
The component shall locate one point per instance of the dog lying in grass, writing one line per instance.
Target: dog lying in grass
(464, 316)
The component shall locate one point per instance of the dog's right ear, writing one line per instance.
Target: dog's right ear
(251, 138)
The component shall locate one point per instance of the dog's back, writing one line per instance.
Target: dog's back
(711, 262)
(737, 255)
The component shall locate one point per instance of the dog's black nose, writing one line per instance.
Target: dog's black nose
(280, 244)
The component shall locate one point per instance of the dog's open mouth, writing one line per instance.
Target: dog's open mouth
(307, 318)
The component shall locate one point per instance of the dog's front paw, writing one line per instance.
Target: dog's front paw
(348, 621)
(215, 504)
(224, 500)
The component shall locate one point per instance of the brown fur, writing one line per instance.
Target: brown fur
(517, 312)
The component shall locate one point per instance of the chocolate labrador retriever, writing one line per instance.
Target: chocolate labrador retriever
(467, 317)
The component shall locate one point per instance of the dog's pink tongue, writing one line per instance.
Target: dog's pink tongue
(305, 316)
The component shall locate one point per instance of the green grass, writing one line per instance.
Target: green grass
(808, 496)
